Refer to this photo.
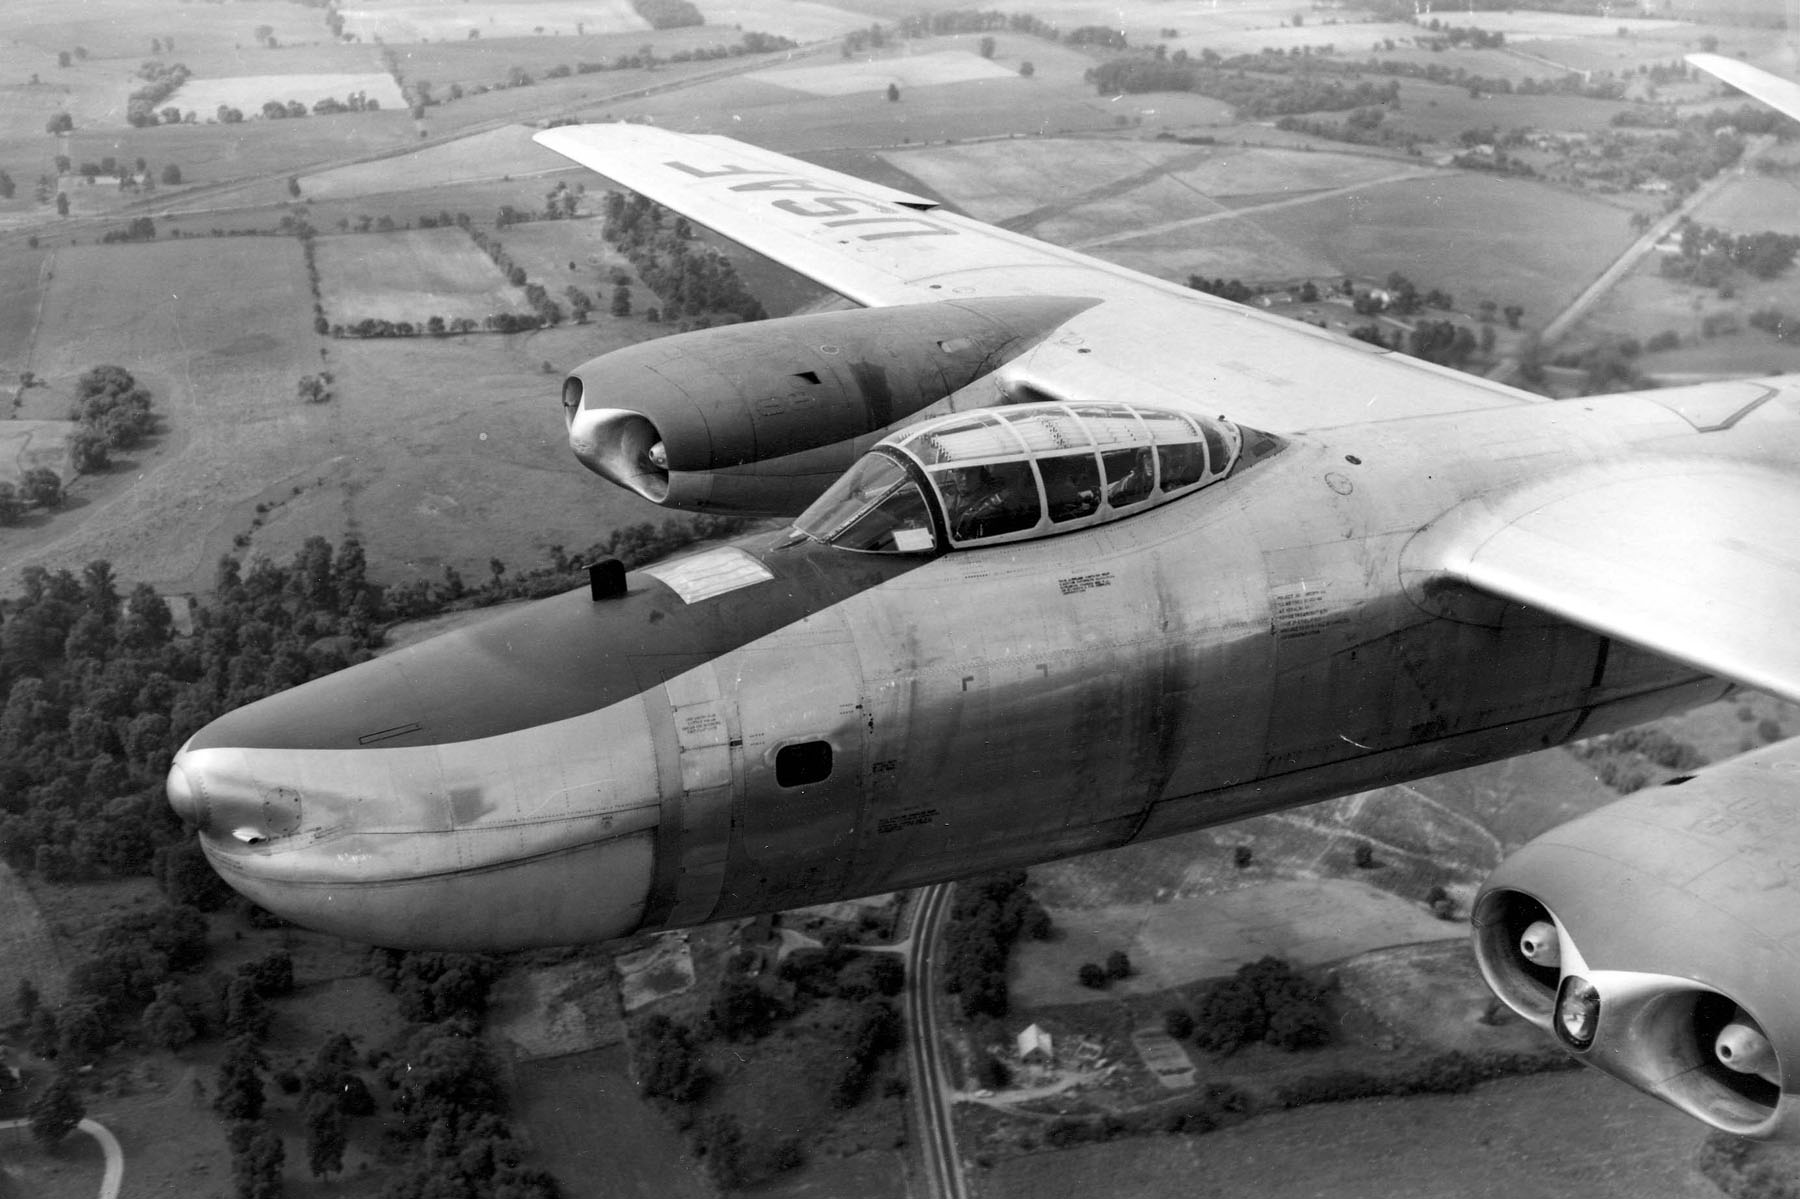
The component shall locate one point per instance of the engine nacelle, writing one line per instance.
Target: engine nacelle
(762, 417)
(1658, 939)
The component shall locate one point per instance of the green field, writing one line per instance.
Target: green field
(1549, 1135)
(484, 156)
(411, 276)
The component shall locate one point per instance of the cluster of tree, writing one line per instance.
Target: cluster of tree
(160, 82)
(66, 58)
(859, 40)
(60, 122)
(314, 389)
(111, 413)
(1446, 343)
(1252, 95)
(1265, 1001)
(38, 487)
(1608, 366)
(1235, 290)
(835, 972)
(1709, 256)
(434, 987)
(136, 961)
(1097, 977)
(141, 228)
(1363, 127)
(447, 1092)
(668, 14)
(987, 916)
(971, 20)
(873, 1032)
(1445, 36)
(57, 1110)
(1775, 322)
(688, 276)
(1452, 1073)
(1216, 1105)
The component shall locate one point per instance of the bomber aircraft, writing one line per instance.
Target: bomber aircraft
(1082, 557)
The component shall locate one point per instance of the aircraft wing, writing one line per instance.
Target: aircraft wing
(882, 247)
(1695, 562)
(1783, 95)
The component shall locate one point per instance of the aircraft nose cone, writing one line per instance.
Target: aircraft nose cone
(184, 795)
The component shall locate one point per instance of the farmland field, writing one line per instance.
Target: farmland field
(411, 276)
(482, 156)
(1480, 237)
(1549, 1135)
(997, 180)
(875, 75)
(218, 331)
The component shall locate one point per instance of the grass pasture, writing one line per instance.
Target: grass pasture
(410, 276)
(25, 444)
(218, 331)
(1478, 237)
(1554, 1134)
(449, 452)
(876, 75)
(563, 1101)
(802, 20)
(997, 180)
(546, 248)
(22, 277)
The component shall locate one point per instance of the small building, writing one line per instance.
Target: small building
(1036, 1047)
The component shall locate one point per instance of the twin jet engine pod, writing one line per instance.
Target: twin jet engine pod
(762, 417)
(1656, 940)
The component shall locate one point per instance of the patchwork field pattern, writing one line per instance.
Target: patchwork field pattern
(411, 276)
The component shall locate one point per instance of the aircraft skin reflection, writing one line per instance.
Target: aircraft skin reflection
(779, 722)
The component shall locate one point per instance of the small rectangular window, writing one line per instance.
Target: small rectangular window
(1129, 474)
(803, 764)
(1181, 464)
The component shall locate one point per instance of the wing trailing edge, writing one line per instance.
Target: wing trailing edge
(1693, 560)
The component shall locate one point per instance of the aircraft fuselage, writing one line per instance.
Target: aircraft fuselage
(777, 723)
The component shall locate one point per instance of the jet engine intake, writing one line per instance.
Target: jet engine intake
(1655, 939)
(762, 417)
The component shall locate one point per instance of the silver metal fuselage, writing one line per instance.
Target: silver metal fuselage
(579, 769)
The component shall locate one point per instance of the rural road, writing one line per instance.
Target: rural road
(1634, 253)
(931, 1099)
(109, 1145)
